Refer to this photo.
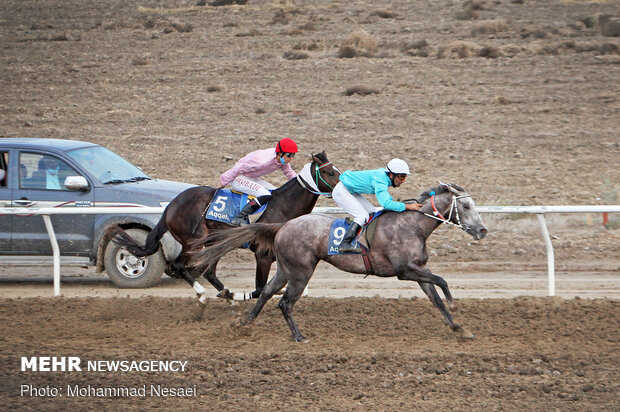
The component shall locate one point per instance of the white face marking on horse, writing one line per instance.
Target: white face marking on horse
(470, 218)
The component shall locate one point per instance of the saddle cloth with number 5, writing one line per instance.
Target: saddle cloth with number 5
(226, 204)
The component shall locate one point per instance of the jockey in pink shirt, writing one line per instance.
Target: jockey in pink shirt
(245, 175)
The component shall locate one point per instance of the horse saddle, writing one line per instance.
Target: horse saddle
(364, 237)
(227, 203)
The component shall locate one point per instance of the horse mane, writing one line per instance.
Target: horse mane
(284, 186)
(443, 188)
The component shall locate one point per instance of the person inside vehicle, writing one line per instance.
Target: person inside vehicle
(52, 179)
(47, 176)
(23, 173)
(3, 168)
(353, 184)
(245, 175)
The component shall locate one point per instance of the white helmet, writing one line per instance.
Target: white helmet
(397, 166)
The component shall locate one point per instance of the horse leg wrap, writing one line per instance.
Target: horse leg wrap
(198, 288)
(242, 296)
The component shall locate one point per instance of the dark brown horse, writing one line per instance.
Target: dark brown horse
(184, 219)
(398, 249)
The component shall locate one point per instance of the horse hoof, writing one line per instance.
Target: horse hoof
(301, 339)
(225, 294)
(245, 321)
(464, 334)
(202, 299)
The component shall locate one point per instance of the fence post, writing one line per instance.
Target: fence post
(56, 252)
(550, 256)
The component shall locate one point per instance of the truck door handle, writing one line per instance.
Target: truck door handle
(23, 202)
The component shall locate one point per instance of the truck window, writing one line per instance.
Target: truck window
(38, 171)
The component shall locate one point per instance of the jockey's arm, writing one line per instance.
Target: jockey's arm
(385, 199)
(239, 168)
(412, 206)
(289, 172)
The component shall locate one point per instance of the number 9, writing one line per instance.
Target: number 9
(338, 235)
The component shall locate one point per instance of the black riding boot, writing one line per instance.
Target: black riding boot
(251, 207)
(349, 238)
(247, 210)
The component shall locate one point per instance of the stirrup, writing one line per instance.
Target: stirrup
(238, 221)
(348, 248)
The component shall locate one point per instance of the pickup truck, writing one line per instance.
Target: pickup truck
(37, 172)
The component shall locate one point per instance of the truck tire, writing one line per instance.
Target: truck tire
(127, 271)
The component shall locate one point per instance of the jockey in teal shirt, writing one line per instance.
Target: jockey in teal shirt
(353, 184)
(372, 182)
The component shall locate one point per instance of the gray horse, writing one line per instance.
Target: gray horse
(398, 249)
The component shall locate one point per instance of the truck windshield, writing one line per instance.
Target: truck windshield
(106, 165)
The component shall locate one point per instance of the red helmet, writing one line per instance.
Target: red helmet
(287, 146)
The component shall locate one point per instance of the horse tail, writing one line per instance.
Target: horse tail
(151, 245)
(216, 245)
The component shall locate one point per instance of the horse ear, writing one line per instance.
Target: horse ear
(454, 189)
(449, 187)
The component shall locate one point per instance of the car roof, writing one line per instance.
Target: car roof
(44, 143)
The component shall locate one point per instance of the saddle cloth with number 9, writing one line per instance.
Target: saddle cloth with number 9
(339, 228)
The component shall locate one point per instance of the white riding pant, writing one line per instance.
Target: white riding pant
(354, 204)
(253, 186)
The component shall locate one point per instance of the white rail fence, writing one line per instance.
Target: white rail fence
(539, 211)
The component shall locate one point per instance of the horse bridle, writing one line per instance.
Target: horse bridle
(317, 178)
(453, 208)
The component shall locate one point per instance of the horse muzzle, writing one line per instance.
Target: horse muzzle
(477, 233)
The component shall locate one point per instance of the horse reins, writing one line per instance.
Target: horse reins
(204, 213)
(453, 207)
(317, 177)
(436, 215)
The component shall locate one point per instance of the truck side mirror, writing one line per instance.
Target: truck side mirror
(78, 183)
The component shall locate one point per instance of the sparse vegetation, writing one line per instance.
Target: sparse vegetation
(360, 90)
(358, 44)
(488, 27)
(216, 3)
(384, 14)
(295, 55)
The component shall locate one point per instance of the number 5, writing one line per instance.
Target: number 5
(220, 203)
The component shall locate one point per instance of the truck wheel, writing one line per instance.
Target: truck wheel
(127, 271)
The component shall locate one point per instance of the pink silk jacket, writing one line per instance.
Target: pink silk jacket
(256, 164)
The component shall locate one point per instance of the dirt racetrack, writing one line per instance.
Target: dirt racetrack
(515, 100)
(365, 354)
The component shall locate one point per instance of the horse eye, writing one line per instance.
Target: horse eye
(466, 207)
